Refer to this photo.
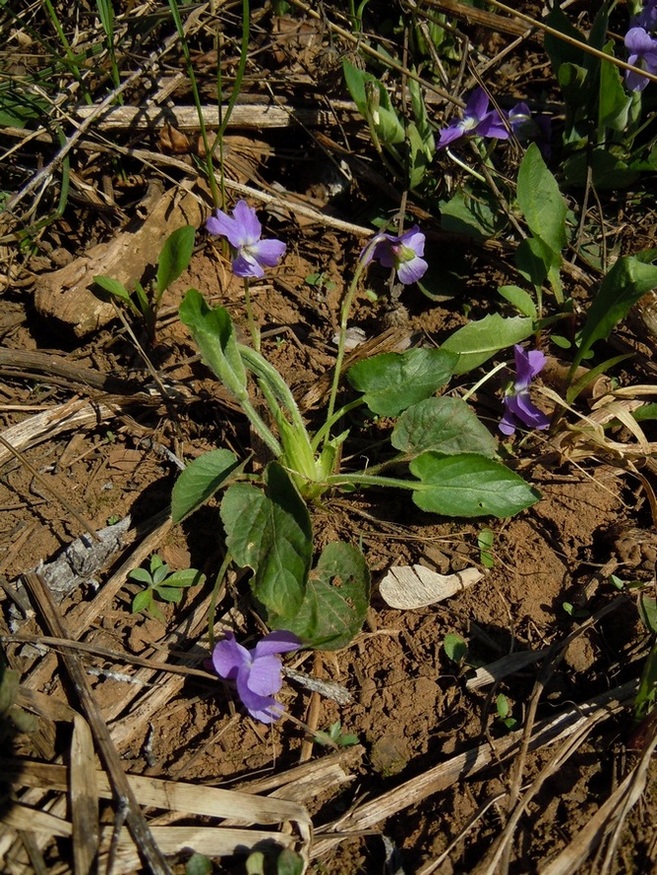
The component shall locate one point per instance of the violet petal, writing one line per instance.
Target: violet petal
(525, 412)
(277, 642)
(245, 265)
(268, 252)
(250, 227)
(477, 105)
(411, 271)
(228, 657)
(265, 675)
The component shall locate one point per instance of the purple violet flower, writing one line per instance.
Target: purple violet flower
(647, 18)
(477, 119)
(243, 230)
(642, 50)
(528, 127)
(519, 408)
(257, 673)
(404, 253)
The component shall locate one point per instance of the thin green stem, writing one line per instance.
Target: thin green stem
(483, 380)
(253, 328)
(259, 425)
(464, 166)
(342, 337)
(328, 425)
(70, 55)
(371, 480)
(175, 13)
(232, 100)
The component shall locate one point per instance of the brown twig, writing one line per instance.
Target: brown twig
(123, 792)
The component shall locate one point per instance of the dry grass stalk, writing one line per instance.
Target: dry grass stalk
(83, 792)
(609, 818)
(495, 671)
(69, 416)
(186, 118)
(465, 765)
(139, 829)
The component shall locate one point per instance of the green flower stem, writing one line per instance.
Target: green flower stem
(344, 316)
(484, 379)
(253, 328)
(259, 365)
(464, 166)
(175, 14)
(372, 480)
(296, 442)
(328, 425)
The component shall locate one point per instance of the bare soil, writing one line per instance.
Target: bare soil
(549, 592)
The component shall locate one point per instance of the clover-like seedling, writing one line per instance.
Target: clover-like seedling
(504, 715)
(335, 737)
(161, 583)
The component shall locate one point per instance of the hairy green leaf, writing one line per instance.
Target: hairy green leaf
(627, 281)
(174, 257)
(336, 600)
(478, 341)
(469, 485)
(541, 201)
(200, 480)
(392, 381)
(214, 334)
(446, 425)
(270, 532)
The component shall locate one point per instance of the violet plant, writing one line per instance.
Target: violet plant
(450, 456)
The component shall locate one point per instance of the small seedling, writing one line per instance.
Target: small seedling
(161, 583)
(174, 258)
(456, 648)
(198, 864)
(504, 713)
(335, 736)
(485, 543)
(288, 862)
(320, 281)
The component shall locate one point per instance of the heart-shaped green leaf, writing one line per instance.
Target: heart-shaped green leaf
(446, 425)
(270, 532)
(469, 485)
(336, 600)
(200, 480)
(392, 381)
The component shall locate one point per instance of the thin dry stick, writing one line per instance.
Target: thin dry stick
(499, 859)
(86, 525)
(552, 660)
(124, 794)
(44, 175)
(571, 40)
(615, 808)
(379, 56)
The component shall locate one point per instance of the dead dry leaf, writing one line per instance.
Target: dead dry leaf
(414, 586)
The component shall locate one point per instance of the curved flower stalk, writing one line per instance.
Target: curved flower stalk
(531, 128)
(519, 409)
(257, 673)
